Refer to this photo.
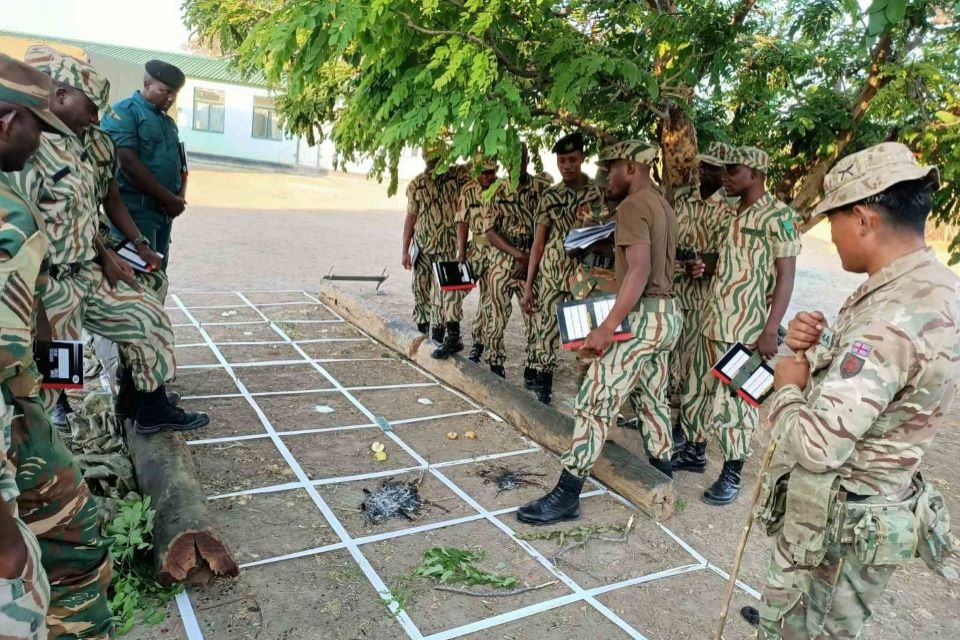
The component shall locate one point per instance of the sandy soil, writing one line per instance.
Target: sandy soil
(269, 231)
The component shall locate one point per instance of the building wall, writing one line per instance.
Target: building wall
(237, 139)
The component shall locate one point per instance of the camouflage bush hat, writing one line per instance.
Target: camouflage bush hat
(749, 157)
(73, 72)
(716, 154)
(869, 172)
(632, 150)
(24, 86)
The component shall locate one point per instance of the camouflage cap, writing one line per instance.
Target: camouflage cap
(73, 72)
(632, 150)
(569, 143)
(24, 86)
(716, 154)
(869, 172)
(749, 157)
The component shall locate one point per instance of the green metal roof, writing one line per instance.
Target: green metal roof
(201, 67)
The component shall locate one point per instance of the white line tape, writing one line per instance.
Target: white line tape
(750, 591)
(402, 617)
(190, 625)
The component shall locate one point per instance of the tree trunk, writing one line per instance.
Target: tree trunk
(678, 140)
(186, 546)
(813, 182)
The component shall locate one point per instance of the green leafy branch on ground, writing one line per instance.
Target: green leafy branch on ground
(449, 566)
(134, 587)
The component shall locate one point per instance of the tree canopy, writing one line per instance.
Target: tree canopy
(806, 80)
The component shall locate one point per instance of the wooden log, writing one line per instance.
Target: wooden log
(629, 475)
(186, 546)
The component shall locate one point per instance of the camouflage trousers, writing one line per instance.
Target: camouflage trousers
(430, 305)
(479, 258)
(24, 599)
(708, 407)
(544, 328)
(637, 367)
(156, 284)
(793, 596)
(55, 503)
(503, 289)
(682, 355)
(136, 321)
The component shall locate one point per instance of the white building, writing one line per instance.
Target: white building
(221, 114)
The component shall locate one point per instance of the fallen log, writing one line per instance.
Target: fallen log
(186, 546)
(629, 475)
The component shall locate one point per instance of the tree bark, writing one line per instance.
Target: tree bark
(186, 546)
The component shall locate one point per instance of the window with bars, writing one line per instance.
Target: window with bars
(266, 121)
(209, 109)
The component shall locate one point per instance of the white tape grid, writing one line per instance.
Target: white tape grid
(234, 306)
(379, 586)
(579, 594)
(606, 612)
(385, 473)
(249, 322)
(294, 392)
(258, 343)
(279, 363)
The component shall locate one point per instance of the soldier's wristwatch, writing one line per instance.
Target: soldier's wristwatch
(141, 239)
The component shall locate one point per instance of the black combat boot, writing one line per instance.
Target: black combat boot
(436, 334)
(475, 353)
(563, 503)
(727, 487)
(530, 378)
(663, 466)
(451, 343)
(679, 438)
(60, 412)
(545, 386)
(498, 369)
(127, 401)
(156, 414)
(693, 457)
(423, 327)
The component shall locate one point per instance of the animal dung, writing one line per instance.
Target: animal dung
(452, 435)
(470, 435)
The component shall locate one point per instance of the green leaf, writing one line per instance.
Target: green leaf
(653, 89)
(896, 10)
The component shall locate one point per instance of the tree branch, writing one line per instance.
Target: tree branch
(565, 117)
(486, 44)
(813, 180)
(742, 11)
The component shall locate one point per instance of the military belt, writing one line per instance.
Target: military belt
(655, 305)
(58, 271)
(519, 242)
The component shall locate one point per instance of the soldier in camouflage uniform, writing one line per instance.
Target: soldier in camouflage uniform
(757, 262)
(854, 417)
(564, 206)
(53, 499)
(24, 589)
(509, 229)
(90, 286)
(431, 204)
(476, 249)
(646, 237)
(703, 215)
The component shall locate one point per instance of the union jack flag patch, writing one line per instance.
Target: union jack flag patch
(861, 349)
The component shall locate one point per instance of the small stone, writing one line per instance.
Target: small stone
(470, 435)
(452, 435)
(425, 401)
(322, 408)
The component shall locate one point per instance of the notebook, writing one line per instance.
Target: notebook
(578, 318)
(745, 372)
(60, 362)
(586, 236)
(130, 254)
(454, 276)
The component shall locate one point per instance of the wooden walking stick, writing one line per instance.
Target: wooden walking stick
(748, 525)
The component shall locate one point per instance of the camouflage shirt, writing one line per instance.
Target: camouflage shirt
(470, 209)
(433, 199)
(746, 271)
(102, 152)
(562, 209)
(512, 212)
(878, 395)
(702, 225)
(62, 181)
(8, 479)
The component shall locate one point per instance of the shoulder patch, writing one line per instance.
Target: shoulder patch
(788, 227)
(851, 365)
(861, 349)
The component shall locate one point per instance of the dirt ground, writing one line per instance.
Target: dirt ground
(286, 232)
